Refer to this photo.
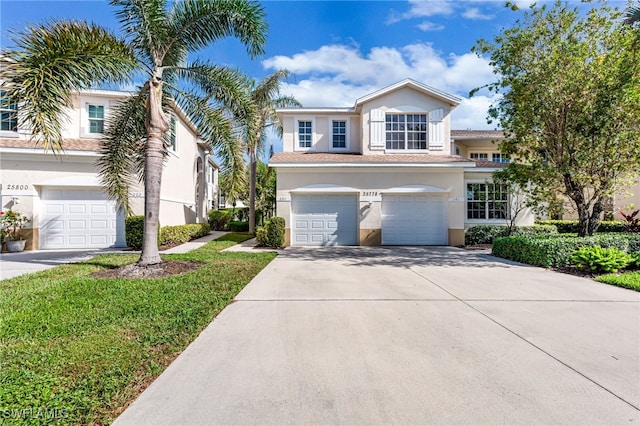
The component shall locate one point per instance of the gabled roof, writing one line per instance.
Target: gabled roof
(454, 101)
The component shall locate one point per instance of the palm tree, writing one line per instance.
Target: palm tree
(51, 61)
(632, 13)
(265, 98)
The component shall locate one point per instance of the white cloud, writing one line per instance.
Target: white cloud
(475, 14)
(422, 9)
(337, 75)
(430, 26)
(472, 113)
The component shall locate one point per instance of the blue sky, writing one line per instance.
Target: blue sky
(339, 51)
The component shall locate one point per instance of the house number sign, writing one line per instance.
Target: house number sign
(17, 189)
(370, 196)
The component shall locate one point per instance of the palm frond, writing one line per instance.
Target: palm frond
(53, 60)
(195, 24)
(632, 13)
(121, 162)
(144, 22)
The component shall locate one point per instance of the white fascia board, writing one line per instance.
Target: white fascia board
(483, 169)
(327, 165)
(315, 111)
(40, 151)
(451, 99)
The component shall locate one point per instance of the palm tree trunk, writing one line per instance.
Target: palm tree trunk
(156, 124)
(252, 193)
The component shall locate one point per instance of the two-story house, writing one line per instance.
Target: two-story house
(383, 172)
(62, 193)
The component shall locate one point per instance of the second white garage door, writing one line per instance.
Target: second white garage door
(79, 218)
(414, 219)
(324, 220)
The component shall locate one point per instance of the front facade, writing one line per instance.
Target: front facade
(62, 193)
(388, 171)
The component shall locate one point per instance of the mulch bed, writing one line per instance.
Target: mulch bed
(167, 268)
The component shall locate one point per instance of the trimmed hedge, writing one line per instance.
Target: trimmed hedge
(485, 234)
(238, 226)
(571, 226)
(219, 219)
(272, 233)
(556, 250)
(178, 234)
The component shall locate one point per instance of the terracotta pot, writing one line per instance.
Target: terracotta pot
(15, 246)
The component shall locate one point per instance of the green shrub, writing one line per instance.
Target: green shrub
(635, 260)
(571, 226)
(172, 235)
(272, 233)
(219, 219)
(598, 259)
(241, 214)
(238, 226)
(485, 234)
(134, 231)
(197, 230)
(556, 250)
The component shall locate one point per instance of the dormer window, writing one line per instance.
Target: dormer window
(96, 118)
(9, 113)
(406, 131)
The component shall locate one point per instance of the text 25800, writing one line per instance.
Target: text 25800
(17, 187)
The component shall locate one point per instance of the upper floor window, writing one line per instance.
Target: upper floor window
(487, 201)
(497, 157)
(305, 131)
(9, 113)
(96, 118)
(339, 134)
(482, 156)
(406, 131)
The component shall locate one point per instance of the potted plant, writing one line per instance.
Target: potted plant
(12, 223)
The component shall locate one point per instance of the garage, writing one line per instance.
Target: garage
(324, 220)
(79, 218)
(414, 219)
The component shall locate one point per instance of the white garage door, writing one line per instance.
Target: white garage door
(78, 218)
(416, 219)
(324, 220)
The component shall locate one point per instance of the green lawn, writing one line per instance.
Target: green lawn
(76, 349)
(627, 279)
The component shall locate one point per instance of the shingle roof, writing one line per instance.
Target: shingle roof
(328, 157)
(489, 164)
(477, 134)
(68, 144)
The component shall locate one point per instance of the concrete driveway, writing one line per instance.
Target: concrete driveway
(407, 336)
(26, 262)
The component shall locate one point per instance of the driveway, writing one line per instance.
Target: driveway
(407, 336)
(25, 262)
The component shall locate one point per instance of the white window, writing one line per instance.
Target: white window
(497, 157)
(339, 134)
(9, 113)
(304, 133)
(406, 131)
(96, 118)
(482, 156)
(487, 201)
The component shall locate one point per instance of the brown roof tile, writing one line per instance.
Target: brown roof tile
(477, 134)
(67, 144)
(328, 157)
(490, 164)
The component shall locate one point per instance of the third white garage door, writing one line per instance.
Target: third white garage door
(414, 219)
(324, 220)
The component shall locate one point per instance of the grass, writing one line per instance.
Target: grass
(76, 349)
(630, 280)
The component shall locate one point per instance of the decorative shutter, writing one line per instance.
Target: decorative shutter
(436, 129)
(377, 129)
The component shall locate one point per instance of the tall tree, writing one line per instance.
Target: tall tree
(265, 98)
(632, 13)
(53, 60)
(569, 105)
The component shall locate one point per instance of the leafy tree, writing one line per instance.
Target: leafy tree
(51, 61)
(569, 105)
(265, 97)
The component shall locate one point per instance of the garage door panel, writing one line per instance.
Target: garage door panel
(324, 219)
(414, 220)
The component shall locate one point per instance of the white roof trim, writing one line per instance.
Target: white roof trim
(483, 169)
(415, 189)
(318, 110)
(325, 165)
(453, 100)
(325, 188)
(40, 151)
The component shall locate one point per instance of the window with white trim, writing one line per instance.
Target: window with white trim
(498, 157)
(487, 201)
(305, 133)
(482, 156)
(339, 134)
(96, 118)
(406, 131)
(8, 112)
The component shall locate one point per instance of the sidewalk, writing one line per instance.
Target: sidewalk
(250, 246)
(194, 244)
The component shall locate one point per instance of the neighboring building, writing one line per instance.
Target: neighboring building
(62, 192)
(383, 172)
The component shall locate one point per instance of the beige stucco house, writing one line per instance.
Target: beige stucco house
(387, 171)
(62, 192)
